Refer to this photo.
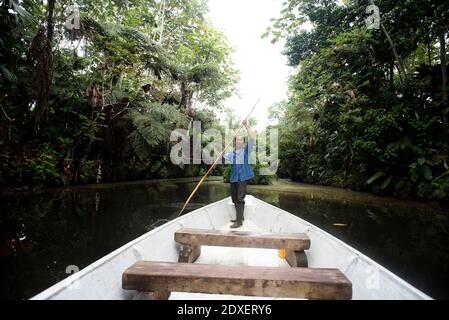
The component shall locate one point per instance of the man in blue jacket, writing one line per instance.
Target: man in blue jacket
(241, 172)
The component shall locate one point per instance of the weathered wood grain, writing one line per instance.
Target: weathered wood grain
(247, 239)
(296, 259)
(237, 280)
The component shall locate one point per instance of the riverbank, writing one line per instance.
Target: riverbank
(100, 186)
(280, 185)
(334, 194)
(342, 195)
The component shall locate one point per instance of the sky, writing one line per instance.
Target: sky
(263, 68)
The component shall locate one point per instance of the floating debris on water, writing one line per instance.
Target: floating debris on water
(340, 224)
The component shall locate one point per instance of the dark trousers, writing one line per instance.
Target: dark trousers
(238, 193)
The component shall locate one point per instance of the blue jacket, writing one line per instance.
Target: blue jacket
(241, 169)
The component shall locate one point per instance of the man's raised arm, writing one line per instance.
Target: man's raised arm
(251, 136)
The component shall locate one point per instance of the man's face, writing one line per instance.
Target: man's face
(239, 142)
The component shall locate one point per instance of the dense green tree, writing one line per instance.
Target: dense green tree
(98, 103)
(367, 108)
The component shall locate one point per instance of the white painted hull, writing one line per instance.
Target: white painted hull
(103, 278)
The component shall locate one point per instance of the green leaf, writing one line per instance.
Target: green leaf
(421, 161)
(23, 15)
(427, 174)
(386, 183)
(375, 177)
(8, 74)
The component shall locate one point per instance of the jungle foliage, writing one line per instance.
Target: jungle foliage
(98, 103)
(367, 108)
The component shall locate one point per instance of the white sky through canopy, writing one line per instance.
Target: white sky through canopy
(263, 68)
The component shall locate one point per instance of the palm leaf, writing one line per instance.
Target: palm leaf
(23, 15)
(375, 177)
(8, 74)
(153, 123)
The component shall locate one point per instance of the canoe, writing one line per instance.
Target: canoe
(103, 278)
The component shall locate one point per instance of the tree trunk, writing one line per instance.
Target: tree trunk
(443, 74)
(43, 56)
(400, 65)
(50, 27)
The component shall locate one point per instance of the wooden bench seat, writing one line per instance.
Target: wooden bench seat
(161, 278)
(191, 241)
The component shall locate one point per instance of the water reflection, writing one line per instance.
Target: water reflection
(40, 235)
(412, 242)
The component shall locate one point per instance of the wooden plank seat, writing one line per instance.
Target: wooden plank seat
(161, 278)
(191, 241)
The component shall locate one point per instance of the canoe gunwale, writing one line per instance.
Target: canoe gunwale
(357, 254)
(64, 284)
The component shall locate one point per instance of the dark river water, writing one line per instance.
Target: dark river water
(41, 235)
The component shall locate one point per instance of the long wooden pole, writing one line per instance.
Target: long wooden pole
(215, 162)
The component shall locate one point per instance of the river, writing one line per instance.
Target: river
(44, 236)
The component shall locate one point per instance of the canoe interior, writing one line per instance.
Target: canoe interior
(103, 278)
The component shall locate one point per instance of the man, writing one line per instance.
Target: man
(241, 172)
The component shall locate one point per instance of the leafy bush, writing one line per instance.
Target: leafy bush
(40, 170)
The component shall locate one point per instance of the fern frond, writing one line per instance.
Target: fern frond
(153, 124)
(155, 56)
